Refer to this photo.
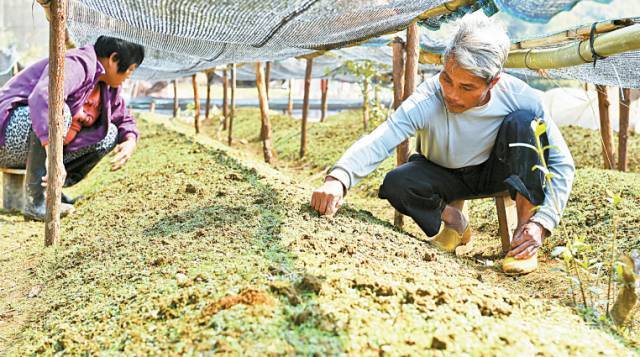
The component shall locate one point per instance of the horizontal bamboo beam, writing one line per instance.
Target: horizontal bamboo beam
(580, 33)
(444, 9)
(608, 44)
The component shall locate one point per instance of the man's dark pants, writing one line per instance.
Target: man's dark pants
(421, 189)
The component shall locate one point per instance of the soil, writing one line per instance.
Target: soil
(195, 248)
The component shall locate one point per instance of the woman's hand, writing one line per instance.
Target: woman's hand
(123, 153)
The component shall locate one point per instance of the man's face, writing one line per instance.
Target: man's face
(114, 78)
(461, 89)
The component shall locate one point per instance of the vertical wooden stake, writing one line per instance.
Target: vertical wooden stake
(324, 88)
(623, 130)
(290, 102)
(225, 99)
(402, 151)
(196, 102)
(605, 128)
(207, 107)
(56, 121)
(176, 103)
(305, 107)
(365, 105)
(265, 131)
(232, 113)
(267, 77)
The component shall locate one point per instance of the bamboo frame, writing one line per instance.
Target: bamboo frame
(232, 113)
(176, 102)
(267, 77)
(402, 150)
(56, 121)
(196, 102)
(623, 130)
(444, 9)
(324, 104)
(290, 100)
(207, 108)
(614, 42)
(225, 99)
(608, 44)
(581, 33)
(265, 131)
(605, 128)
(305, 107)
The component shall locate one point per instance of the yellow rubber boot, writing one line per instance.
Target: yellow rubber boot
(513, 266)
(448, 239)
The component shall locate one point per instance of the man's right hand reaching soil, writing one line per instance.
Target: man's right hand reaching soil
(327, 198)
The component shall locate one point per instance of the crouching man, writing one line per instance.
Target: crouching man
(466, 117)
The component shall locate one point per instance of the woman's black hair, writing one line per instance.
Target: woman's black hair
(127, 53)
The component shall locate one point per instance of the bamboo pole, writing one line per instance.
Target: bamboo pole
(265, 132)
(196, 102)
(324, 88)
(225, 99)
(607, 44)
(580, 33)
(56, 102)
(290, 101)
(176, 102)
(365, 104)
(207, 107)
(402, 151)
(305, 107)
(232, 113)
(412, 49)
(605, 127)
(444, 9)
(623, 132)
(267, 77)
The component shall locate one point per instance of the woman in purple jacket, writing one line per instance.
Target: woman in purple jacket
(96, 118)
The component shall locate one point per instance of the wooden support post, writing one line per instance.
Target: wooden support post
(232, 113)
(267, 77)
(402, 151)
(365, 104)
(176, 102)
(265, 131)
(196, 104)
(324, 88)
(56, 121)
(225, 99)
(623, 130)
(605, 128)
(507, 219)
(305, 107)
(290, 102)
(207, 107)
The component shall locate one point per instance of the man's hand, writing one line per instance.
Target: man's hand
(327, 198)
(123, 153)
(526, 241)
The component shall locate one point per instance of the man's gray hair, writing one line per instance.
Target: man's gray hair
(480, 46)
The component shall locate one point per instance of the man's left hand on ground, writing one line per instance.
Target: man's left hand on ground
(526, 241)
(123, 153)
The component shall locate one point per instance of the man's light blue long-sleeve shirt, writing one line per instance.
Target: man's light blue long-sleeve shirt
(455, 140)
